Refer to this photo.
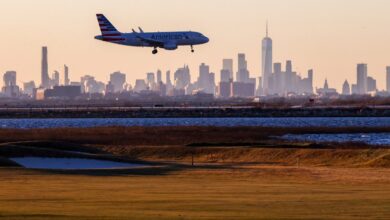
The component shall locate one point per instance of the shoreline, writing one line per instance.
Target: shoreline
(188, 112)
(188, 136)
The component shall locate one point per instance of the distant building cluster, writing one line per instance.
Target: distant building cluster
(205, 83)
(275, 80)
(365, 84)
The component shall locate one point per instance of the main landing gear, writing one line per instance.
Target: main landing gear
(192, 49)
(155, 51)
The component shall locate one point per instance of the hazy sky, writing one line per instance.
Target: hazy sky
(329, 36)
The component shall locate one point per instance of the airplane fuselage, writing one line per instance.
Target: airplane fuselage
(169, 40)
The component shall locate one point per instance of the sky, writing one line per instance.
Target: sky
(330, 36)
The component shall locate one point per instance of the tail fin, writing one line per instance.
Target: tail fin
(106, 27)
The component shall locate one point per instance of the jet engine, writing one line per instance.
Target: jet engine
(170, 46)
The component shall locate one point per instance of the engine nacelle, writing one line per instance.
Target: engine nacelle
(170, 46)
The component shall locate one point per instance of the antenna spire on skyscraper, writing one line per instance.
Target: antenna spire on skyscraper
(266, 29)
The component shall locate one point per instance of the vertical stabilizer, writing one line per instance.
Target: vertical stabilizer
(109, 32)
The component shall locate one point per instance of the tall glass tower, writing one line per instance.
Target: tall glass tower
(266, 62)
(45, 80)
(362, 78)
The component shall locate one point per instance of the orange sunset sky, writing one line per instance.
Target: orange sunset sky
(329, 36)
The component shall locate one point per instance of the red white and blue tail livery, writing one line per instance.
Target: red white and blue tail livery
(165, 40)
(109, 32)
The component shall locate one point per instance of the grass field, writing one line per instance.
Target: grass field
(257, 192)
(227, 182)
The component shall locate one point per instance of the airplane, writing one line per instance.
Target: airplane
(165, 40)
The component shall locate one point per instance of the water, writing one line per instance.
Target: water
(70, 163)
(382, 139)
(218, 122)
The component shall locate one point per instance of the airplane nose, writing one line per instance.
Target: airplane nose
(206, 39)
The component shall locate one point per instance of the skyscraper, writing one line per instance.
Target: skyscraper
(159, 76)
(55, 78)
(9, 78)
(206, 80)
(168, 83)
(388, 78)
(168, 78)
(66, 75)
(225, 89)
(266, 62)
(371, 84)
(278, 87)
(288, 78)
(118, 80)
(45, 80)
(86, 81)
(225, 76)
(28, 88)
(182, 78)
(310, 74)
(289, 66)
(346, 88)
(361, 78)
(150, 79)
(10, 89)
(243, 73)
(310, 77)
(140, 85)
(227, 65)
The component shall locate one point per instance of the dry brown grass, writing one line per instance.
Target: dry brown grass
(245, 155)
(248, 145)
(249, 192)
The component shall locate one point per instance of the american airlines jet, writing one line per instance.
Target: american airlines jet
(165, 40)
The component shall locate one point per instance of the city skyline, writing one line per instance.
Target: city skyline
(283, 81)
(329, 41)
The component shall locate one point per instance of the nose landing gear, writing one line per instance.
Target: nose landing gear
(192, 49)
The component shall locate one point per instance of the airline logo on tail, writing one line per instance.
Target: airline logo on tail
(109, 32)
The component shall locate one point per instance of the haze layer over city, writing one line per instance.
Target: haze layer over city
(329, 37)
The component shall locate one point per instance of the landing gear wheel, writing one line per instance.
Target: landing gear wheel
(155, 51)
(192, 49)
